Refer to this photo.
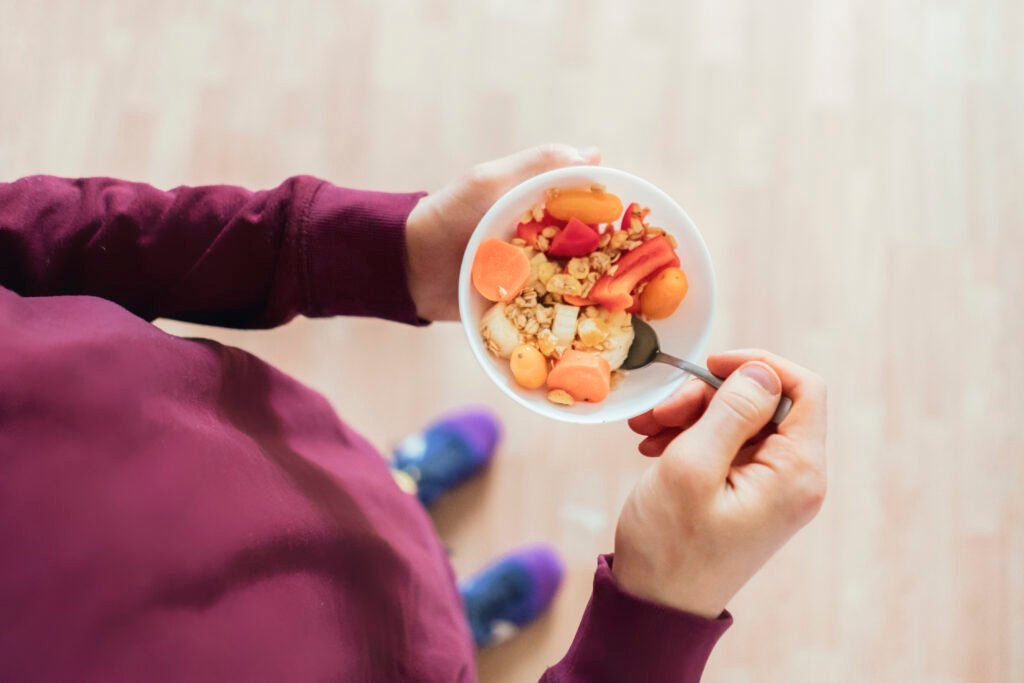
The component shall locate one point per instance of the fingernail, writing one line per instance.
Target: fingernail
(763, 375)
(587, 153)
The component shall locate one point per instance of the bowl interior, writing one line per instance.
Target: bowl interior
(684, 334)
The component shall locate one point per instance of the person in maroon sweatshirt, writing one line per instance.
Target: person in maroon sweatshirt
(174, 509)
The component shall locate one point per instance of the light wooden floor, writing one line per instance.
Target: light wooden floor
(856, 168)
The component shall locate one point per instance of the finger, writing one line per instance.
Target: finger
(740, 408)
(645, 424)
(808, 416)
(653, 446)
(685, 406)
(681, 409)
(516, 168)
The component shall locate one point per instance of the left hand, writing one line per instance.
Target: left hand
(439, 226)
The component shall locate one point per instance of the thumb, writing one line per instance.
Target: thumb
(740, 408)
(515, 168)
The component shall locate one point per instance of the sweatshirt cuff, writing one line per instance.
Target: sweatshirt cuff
(626, 638)
(353, 245)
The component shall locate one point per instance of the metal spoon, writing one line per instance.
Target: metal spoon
(644, 350)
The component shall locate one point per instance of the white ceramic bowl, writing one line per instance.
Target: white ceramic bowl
(684, 334)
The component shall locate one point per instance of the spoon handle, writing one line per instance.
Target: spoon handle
(703, 373)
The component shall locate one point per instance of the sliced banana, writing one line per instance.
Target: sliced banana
(499, 330)
(620, 338)
(564, 325)
(592, 331)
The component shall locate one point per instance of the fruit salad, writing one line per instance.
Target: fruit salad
(565, 288)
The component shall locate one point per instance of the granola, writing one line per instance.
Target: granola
(561, 397)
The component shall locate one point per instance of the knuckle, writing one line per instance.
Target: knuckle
(806, 460)
(479, 176)
(742, 407)
(549, 152)
(810, 489)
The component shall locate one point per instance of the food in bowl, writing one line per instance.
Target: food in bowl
(565, 286)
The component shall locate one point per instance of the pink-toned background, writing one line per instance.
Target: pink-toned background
(855, 168)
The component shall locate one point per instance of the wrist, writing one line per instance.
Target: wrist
(637, 580)
(647, 571)
(418, 267)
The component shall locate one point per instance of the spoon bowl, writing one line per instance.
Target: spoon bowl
(645, 350)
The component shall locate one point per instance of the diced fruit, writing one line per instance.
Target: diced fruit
(614, 292)
(500, 335)
(546, 342)
(575, 239)
(551, 220)
(529, 366)
(620, 338)
(589, 206)
(564, 324)
(618, 319)
(585, 376)
(529, 231)
(591, 331)
(663, 294)
(500, 270)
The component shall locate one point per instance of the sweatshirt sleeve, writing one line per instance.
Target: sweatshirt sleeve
(626, 638)
(220, 255)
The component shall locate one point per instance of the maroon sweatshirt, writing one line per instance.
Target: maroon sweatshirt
(174, 509)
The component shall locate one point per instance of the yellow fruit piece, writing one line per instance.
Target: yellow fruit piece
(591, 331)
(529, 366)
(590, 206)
(662, 295)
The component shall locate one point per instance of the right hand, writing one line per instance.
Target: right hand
(721, 501)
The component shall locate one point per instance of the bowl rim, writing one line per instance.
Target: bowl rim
(612, 413)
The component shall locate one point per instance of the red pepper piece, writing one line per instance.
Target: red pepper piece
(529, 232)
(635, 308)
(576, 239)
(615, 292)
(551, 220)
(627, 217)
